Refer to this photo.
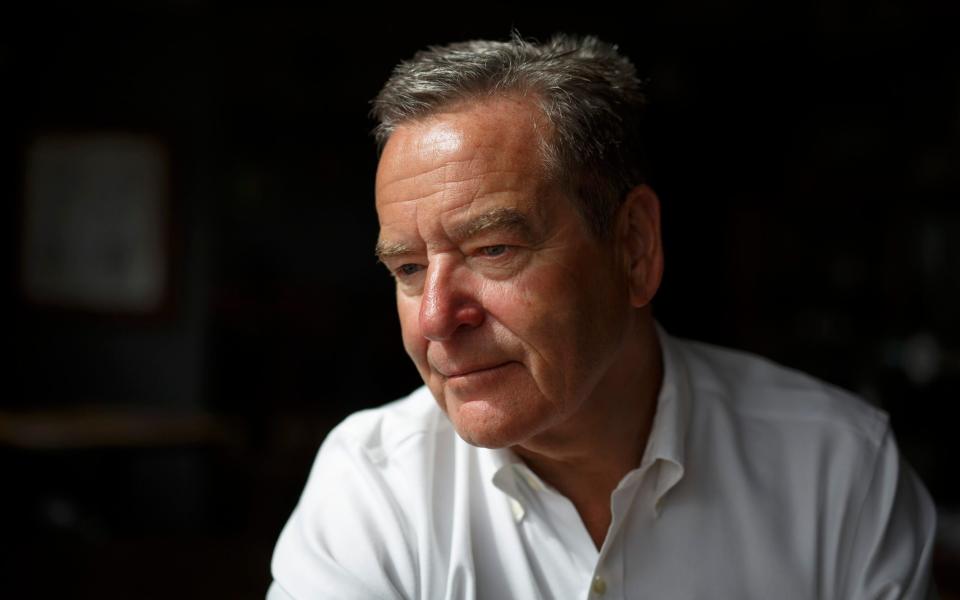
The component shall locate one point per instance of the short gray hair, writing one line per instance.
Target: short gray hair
(588, 92)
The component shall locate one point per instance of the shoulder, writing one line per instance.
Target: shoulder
(751, 388)
(352, 534)
(375, 453)
(386, 431)
(814, 466)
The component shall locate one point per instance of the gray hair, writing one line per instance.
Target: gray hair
(588, 92)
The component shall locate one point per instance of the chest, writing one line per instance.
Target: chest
(723, 547)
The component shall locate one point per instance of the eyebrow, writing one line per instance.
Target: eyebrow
(385, 250)
(509, 219)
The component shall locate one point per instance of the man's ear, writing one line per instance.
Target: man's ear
(639, 228)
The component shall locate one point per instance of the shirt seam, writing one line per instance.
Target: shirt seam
(861, 503)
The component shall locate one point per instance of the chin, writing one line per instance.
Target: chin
(486, 439)
(480, 424)
(500, 412)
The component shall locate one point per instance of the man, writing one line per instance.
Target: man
(564, 445)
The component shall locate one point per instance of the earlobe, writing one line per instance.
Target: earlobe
(642, 244)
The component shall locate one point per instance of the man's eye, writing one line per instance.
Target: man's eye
(408, 269)
(494, 251)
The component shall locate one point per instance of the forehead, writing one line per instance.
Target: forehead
(493, 142)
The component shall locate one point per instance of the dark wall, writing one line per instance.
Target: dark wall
(807, 158)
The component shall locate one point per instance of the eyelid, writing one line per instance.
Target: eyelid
(479, 251)
(399, 272)
(482, 250)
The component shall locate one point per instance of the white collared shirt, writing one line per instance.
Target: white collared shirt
(757, 482)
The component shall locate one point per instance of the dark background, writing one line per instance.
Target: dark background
(808, 160)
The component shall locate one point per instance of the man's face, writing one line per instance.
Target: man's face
(510, 308)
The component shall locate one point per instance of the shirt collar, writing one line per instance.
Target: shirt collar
(501, 465)
(667, 441)
(666, 444)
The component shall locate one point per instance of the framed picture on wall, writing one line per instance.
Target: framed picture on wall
(96, 223)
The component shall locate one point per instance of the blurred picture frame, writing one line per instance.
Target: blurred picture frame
(95, 223)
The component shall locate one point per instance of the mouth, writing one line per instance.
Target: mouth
(473, 371)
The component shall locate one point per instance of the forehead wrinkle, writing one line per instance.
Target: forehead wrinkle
(462, 198)
(438, 173)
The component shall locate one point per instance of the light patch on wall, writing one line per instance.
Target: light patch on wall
(95, 223)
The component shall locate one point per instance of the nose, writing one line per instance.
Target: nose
(448, 302)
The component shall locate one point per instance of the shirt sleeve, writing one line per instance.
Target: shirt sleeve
(347, 537)
(893, 534)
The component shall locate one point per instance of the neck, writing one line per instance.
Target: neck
(585, 457)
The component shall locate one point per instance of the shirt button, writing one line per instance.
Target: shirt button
(517, 509)
(599, 586)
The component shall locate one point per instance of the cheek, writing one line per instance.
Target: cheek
(549, 311)
(414, 343)
(538, 312)
(540, 305)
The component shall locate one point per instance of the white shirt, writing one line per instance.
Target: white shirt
(756, 482)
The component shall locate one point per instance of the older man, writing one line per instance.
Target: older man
(564, 445)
